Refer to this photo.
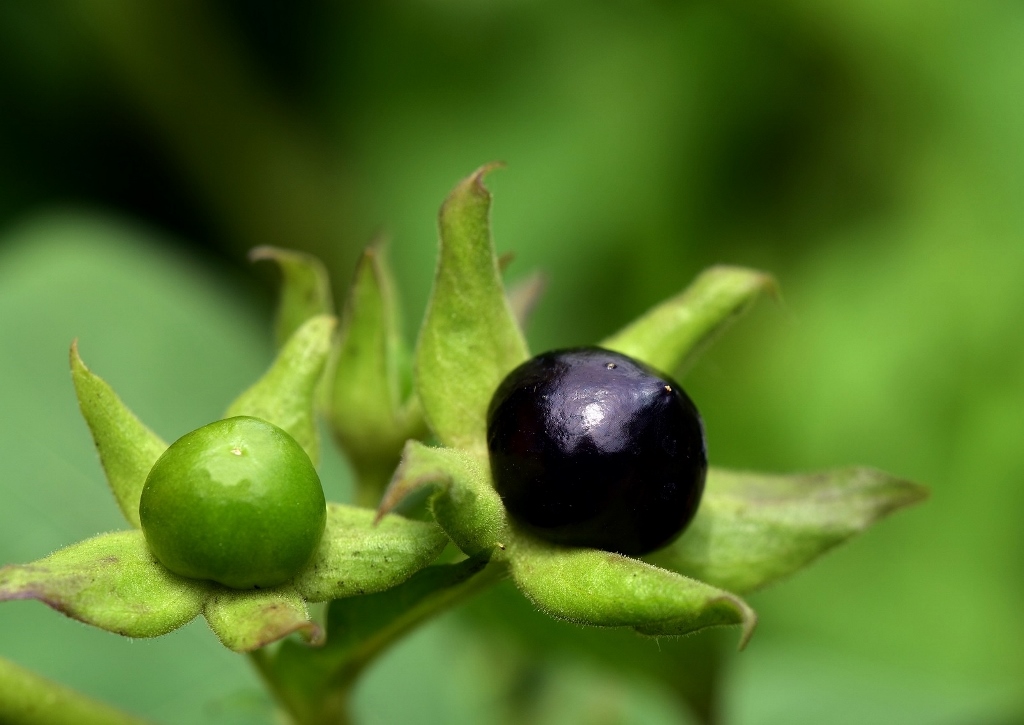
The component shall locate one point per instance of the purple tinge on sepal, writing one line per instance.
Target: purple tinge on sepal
(110, 581)
(247, 620)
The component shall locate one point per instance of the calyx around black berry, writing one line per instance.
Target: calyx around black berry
(589, 447)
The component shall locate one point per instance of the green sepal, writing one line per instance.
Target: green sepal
(247, 620)
(465, 504)
(671, 335)
(469, 340)
(305, 289)
(127, 448)
(112, 582)
(753, 529)
(286, 393)
(372, 410)
(358, 556)
(602, 589)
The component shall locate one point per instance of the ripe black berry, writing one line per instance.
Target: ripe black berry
(590, 447)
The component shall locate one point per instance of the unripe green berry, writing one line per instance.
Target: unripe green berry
(237, 501)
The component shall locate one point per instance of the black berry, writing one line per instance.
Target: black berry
(590, 447)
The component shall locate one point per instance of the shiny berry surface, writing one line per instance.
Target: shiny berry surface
(590, 447)
(237, 501)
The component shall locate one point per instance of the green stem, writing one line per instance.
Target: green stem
(263, 665)
(29, 699)
(372, 647)
(337, 702)
(315, 685)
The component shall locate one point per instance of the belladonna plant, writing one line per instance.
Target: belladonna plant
(409, 423)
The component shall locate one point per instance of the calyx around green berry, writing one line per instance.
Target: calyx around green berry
(237, 501)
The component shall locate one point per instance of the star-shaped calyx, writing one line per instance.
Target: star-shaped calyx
(751, 529)
(113, 581)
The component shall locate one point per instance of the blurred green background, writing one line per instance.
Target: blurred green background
(870, 155)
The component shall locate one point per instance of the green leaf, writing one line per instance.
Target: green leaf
(305, 289)
(602, 589)
(466, 505)
(285, 394)
(469, 340)
(111, 581)
(371, 407)
(247, 620)
(357, 556)
(127, 448)
(673, 334)
(752, 529)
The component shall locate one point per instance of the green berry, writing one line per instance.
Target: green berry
(237, 501)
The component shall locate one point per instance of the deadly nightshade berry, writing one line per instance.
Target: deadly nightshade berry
(592, 448)
(236, 501)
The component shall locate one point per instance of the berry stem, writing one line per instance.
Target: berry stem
(262, 663)
(314, 685)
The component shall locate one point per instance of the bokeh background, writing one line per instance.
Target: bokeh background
(870, 155)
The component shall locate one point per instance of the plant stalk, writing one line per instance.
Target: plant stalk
(314, 685)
